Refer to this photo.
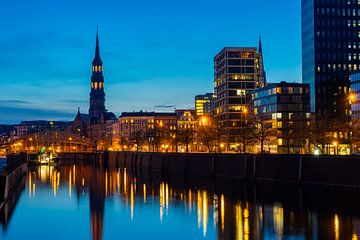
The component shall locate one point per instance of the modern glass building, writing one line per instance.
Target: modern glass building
(330, 53)
(355, 95)
(204, 104)
(285, 108)
(238, 71)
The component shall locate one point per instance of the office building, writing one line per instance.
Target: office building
(355, 96)
(238, 71)
(285, 109)
(204, 104)
(330, 53)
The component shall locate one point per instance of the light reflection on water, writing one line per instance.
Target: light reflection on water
(83, 202)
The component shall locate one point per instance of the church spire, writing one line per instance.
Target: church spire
(260, 45)
(97, 59)
(261, 63)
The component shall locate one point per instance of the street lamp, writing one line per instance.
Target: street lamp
(204, 121)
(335, 144)
(352, 97)
(244, 111)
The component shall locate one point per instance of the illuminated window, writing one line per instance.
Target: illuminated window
(240, 92)
(280, 142)
(279, 124)
(96, 68)
(96, 85)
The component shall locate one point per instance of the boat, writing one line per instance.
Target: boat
(43, 158)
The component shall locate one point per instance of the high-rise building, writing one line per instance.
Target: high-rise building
(330, 52)
(204, 104)
(355, 96)
(97, 95)
(238, 71)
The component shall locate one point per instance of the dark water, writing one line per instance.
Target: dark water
(83, 202)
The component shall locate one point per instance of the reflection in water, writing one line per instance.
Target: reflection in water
(248, 212)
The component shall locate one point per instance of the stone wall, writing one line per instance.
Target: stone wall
(324, 170)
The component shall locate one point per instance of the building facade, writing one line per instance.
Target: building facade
(147, 128)
(29, 127)
(330, 53)
(204, 104)
(238, 71)
(284, 108)
(355, 96)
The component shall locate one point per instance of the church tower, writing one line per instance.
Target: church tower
(97, 95)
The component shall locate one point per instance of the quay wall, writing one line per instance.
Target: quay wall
(323, 170)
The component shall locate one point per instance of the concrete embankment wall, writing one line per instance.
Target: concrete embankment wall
(11, 176)
(325, 170)
(77, 158)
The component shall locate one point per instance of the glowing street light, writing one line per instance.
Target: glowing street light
(352, 98)
(204, 121)
(245, 110)
(335, 144)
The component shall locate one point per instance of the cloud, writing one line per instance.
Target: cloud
(18, 114)
(164, 106)
(11, 101)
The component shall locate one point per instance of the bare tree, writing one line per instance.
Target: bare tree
(263, 131)
(138, 138)
(186, 136)
(321, 132)
(207, 136)
(154, 136)
(351, 132)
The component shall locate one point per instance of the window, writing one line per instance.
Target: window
(241, 92)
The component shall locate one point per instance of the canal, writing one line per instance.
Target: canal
(86, 202)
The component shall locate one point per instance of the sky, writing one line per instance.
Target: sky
(156, 53)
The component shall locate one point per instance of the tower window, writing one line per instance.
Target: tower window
(96, 68)
(96, 85)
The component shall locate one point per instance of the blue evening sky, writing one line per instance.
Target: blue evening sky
(155, 53)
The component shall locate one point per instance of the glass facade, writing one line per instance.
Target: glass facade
(204, 104)
(308, 51)
(285, 107)
(330, 46)
(355, 95)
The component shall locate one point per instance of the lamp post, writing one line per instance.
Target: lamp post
(244, 111)
(335, 144)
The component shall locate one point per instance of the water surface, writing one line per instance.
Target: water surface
(84, 202)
